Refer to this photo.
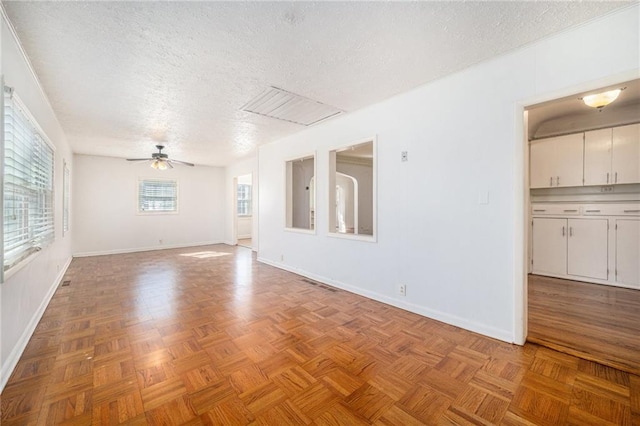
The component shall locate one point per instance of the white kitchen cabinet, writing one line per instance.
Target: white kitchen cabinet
(557, 161)
(592, 242)
(597, 157)
(612, 156)
(587, 248)
(625, 160)
(627, 252)
(549, 246)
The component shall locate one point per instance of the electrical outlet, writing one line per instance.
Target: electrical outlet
(282, 258)
(404, 156)
(606, 189)
(160, 241)
(402, 289)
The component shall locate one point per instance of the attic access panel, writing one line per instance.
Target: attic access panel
(287, 106)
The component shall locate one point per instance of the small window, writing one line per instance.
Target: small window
(28, 185)
(157, 196)
(244, 200)
(300, 213)
(352, 200)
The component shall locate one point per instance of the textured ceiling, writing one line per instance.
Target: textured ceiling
(122, 76)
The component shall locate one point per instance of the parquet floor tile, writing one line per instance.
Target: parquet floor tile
(209, 336)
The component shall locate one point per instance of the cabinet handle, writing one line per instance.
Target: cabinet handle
(571, 231)
(607, 177)
(539, 210)
(632, 211)
(563, 231)
(592, 211)
(551, 181)
(557, 180)
(616, 177)
(570, 211)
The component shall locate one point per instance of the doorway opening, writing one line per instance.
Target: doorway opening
(582, 234)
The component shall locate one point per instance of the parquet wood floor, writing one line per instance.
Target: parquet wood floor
(208, 335)
(593, 321)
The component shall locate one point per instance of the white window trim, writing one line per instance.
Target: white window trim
(155, 213)
(313, 231)
(358, 237)
(66, 198)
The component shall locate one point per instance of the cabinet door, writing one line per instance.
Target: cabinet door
(588, 248)
(541, 163)
(628, 252)
(549, 246)
(568, 161)
(625, 163)
(597, 157)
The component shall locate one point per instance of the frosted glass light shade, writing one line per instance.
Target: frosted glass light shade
(600, 100)
(159, 165)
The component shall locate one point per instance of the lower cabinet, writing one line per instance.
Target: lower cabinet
(576, 247)
(587, 248)
(549, 246)
(627, 252)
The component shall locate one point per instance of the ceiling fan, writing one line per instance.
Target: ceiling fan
(160, 160)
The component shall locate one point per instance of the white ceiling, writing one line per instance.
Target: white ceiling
(122, 76)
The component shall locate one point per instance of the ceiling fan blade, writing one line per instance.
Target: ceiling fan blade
(139, 159)
(168, 163)
(183, 163)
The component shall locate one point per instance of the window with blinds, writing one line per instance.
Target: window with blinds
(157, 196)
(244, 200)
(28, 185)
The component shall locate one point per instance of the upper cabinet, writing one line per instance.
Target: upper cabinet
(599, 157)
(557, 161)
(625, 160)
(612, 156)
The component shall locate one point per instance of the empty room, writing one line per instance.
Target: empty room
(320, 213)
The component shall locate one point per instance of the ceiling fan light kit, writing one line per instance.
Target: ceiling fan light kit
(160, 160)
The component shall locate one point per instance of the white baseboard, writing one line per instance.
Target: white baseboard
(485, 330)
(21, 344)
(244, 237)
(138, 249)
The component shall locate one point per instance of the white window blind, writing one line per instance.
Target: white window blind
(157, 195)
(244, 200)
(28, 185)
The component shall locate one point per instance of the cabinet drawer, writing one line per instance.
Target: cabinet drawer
(611, 209)
(555, 209)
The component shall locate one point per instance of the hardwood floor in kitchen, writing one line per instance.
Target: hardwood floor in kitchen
(593, 321)
(208, 335)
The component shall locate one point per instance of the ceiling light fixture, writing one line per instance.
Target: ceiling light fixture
(601, 100)
(159, 165)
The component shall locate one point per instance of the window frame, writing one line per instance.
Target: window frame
(374, 187)
(47, 238)
(140, 212)
(66, 198)
(287, 191)
(248, 201)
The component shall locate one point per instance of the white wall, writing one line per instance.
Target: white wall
(241, 168)
(461, 260)
(25, 293)
(105, 207)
